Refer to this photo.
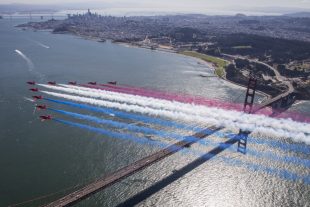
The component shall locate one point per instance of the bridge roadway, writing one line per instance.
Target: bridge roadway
(124, 172)
(280, 78)
(273, 100)
(37, 16)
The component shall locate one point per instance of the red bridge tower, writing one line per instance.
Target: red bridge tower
(247, 108)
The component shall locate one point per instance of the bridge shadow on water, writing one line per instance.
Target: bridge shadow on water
(136, 199)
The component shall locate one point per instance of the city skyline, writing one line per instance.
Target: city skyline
(177, 4)
(147, 7)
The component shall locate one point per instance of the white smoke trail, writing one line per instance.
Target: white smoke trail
(28, 99)
(29, 62)
(42, 45)
(202, 73)
(198, 111)
(189, 118)
(262, 120)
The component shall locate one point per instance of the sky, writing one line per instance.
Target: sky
(162, 3)
(178, 5)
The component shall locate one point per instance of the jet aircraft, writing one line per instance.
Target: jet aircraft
(31, 82)
(72, 83)
(46, 117)
(37, 97)
(43, 107)
(51, 83)
(34, 89)
(112, 82)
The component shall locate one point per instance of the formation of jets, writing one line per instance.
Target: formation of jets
(44, 107)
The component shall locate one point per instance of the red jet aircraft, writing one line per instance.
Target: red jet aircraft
(51, 83)
(31, 82)
(72, 83)
(37, 97)
(34, 89)
(48, 117)
(43, 107)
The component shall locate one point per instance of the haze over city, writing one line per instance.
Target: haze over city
(173, 6)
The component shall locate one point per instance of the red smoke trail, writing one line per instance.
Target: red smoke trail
(167, 96)
(184, 98)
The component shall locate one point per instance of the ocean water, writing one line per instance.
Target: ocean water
(40, 158)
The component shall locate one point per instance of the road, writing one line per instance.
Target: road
(278, 76)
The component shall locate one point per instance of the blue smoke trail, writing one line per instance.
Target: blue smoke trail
(125, 115)
(146, 119)
(164, 134)
(254, 167)
(284, 174)
(112, 134)
(121, 125)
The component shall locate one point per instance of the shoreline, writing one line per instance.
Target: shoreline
(265, 95)
(209, 64)
(212, 65)
(131, 45)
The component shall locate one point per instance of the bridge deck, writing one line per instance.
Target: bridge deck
(124, 172)
(271, 101)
